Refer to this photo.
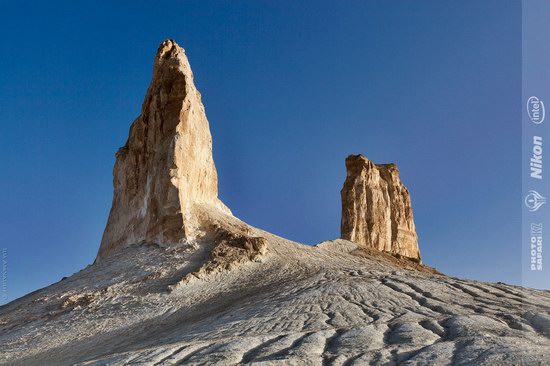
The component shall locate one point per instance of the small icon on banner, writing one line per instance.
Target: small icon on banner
(534, 200)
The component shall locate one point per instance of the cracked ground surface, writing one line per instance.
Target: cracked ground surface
(300, 306)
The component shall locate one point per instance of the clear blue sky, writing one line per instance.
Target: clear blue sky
(290, 89)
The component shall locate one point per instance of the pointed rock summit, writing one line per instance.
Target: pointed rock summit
(376, 208)
(166, 168)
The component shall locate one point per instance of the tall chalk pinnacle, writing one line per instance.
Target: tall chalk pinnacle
(166, 167)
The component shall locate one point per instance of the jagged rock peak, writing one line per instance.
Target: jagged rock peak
(376, 208)
(166, 167)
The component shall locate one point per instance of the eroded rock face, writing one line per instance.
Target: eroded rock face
(376, 208)
(166, 166)
(231, 249)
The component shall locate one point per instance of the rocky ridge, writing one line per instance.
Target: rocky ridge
(301, 305)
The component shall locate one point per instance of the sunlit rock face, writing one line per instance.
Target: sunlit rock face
(376, 208)
(166, 167)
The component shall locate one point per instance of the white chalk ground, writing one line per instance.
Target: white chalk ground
(301, 306)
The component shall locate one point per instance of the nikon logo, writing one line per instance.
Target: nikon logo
(536, 159)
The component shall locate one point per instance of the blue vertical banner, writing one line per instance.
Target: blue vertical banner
(535, 143)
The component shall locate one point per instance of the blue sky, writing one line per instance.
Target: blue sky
(290, 89)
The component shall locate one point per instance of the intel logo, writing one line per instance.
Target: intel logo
(535, 110)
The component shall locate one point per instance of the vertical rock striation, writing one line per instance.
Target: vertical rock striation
(166, 167)
(376, 208)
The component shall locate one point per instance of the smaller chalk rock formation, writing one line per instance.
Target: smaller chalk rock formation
(166, 167)
(376, 208)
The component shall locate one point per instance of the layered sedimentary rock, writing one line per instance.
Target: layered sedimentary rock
(166, 167)
(376, 208)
